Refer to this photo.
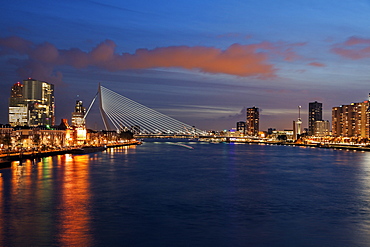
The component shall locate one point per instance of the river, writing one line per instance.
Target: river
(201, 194)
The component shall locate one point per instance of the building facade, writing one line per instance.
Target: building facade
(252, 123)
(351, 120)
(18, 110)
(241, 127)
(321, 128)
(78, 116)
(31, 103)
(314, 114)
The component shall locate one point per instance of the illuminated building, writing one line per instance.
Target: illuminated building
(282, 135)
(351, 120)
(32, 103)
(78, 123)
(321, 128)
(40, 98)
(78, 116)
(18, 110)
(241, 127)
(252, 123)
(17, 91)
(314, 114)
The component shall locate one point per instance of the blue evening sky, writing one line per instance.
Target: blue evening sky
(201, 62)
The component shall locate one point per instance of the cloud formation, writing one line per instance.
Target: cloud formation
(41, 60)
(353, 48)
(317, 64)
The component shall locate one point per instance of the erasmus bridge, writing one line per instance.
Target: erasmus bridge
(126, 114)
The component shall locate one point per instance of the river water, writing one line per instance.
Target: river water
(163, 194)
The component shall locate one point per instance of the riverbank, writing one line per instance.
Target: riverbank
(6, 158)
(339, 146)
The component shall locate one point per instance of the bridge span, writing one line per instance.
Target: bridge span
(126, 114)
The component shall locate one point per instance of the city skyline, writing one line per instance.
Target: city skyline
(201, 63)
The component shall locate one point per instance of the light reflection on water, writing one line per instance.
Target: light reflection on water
(46, 206)
(2, 225)
(75, 202)
(213, 195)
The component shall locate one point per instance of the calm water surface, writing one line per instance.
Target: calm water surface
(161, 194)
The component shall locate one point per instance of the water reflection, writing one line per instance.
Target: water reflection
(75, 202)
(232, 195)
(1, 209)
(46, 202)
(363, 200)
(123, 149)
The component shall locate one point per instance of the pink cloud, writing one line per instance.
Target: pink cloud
(41, 60)
(317, 64)
(12, 44)
(353, 48)
(356, 40)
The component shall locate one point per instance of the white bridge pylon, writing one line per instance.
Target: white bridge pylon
(125, 113)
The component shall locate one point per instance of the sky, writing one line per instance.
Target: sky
(201, 62)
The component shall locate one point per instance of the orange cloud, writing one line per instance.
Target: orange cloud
(353, 48)
(237, 59)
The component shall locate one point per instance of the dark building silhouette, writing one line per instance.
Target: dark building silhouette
(314, 114)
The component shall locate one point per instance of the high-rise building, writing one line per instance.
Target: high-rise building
(18, 111)
(321, 128)
(31, 103)
(252, 123)
(78, 116)
(241, 127)
(314, 114)
(351, 120)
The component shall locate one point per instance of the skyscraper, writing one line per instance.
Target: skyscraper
(32, 103)
(18, 110)
(78, 115)
(78, 122)
(351, 120)
(314, 114)
(252, 122)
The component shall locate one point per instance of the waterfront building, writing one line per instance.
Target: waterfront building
(282, 135)
(314, 114)
(321, 128)
(241, 127)
(39, 96)
(78, 116)
(351, 120)
(31, 103)
(18, 110)
(78, 123)
(252, 123)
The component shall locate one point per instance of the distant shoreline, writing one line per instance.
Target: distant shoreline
(327, 145)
